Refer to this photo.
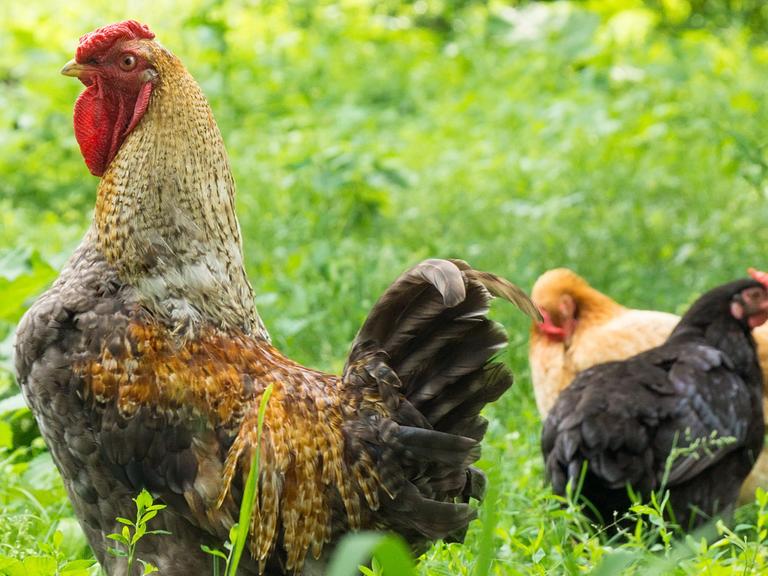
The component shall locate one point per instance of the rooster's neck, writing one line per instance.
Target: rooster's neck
(165, 213)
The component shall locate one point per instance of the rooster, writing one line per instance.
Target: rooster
(699, 394)
(583, 327)
(145, 362)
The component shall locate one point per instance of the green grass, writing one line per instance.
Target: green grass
(623, 141)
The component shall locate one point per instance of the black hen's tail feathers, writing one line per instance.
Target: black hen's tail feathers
(427, 349)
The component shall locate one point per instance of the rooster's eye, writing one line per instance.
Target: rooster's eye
(127, 62)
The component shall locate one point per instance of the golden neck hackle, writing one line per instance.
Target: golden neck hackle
(165, 213)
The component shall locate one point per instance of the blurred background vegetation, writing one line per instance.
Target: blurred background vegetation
(622, 138)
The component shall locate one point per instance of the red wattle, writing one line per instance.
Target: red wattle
(94, 124)
(102, 121)
(552, 331)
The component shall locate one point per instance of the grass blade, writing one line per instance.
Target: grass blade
(251, 491)
(490, 519)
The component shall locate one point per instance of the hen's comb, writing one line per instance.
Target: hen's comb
(102, 38)
(758, 275)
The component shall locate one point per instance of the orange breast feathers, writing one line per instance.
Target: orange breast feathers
(220, 378)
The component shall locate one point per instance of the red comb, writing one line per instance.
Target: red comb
(102, 38)
(758, 275)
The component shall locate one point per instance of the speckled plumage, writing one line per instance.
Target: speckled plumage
(145, 362)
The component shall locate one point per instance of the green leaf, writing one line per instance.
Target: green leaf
(17, 291)
(614, 563)
(643, 509)
(77, 568)
(79, 564)
(148, 516)
(6, 435)
(119, 538)
(165, 532)
(58, 538)
(37, 566)
(213, 551)
(143, 500)
(125, 521)
(357, 549)
(233, 532)
(142, 528)
(7, 562)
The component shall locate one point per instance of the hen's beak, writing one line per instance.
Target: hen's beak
(73, 69)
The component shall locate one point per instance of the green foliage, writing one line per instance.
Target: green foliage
(51, 559)
(390, 556)
(38, 537)
(751, 14)
(622, 138)
(134, 530)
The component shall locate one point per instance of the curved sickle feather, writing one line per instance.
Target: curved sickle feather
(502, 288)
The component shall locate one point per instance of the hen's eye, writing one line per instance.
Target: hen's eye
(127, 62)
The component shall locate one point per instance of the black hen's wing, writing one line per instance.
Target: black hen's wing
(625, 418)
(603, 418)
(711, 417)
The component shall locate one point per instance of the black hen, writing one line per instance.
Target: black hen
(700, 392)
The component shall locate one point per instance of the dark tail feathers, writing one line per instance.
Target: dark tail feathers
(427, 347)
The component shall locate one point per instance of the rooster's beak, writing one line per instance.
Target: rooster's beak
(73, 69)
